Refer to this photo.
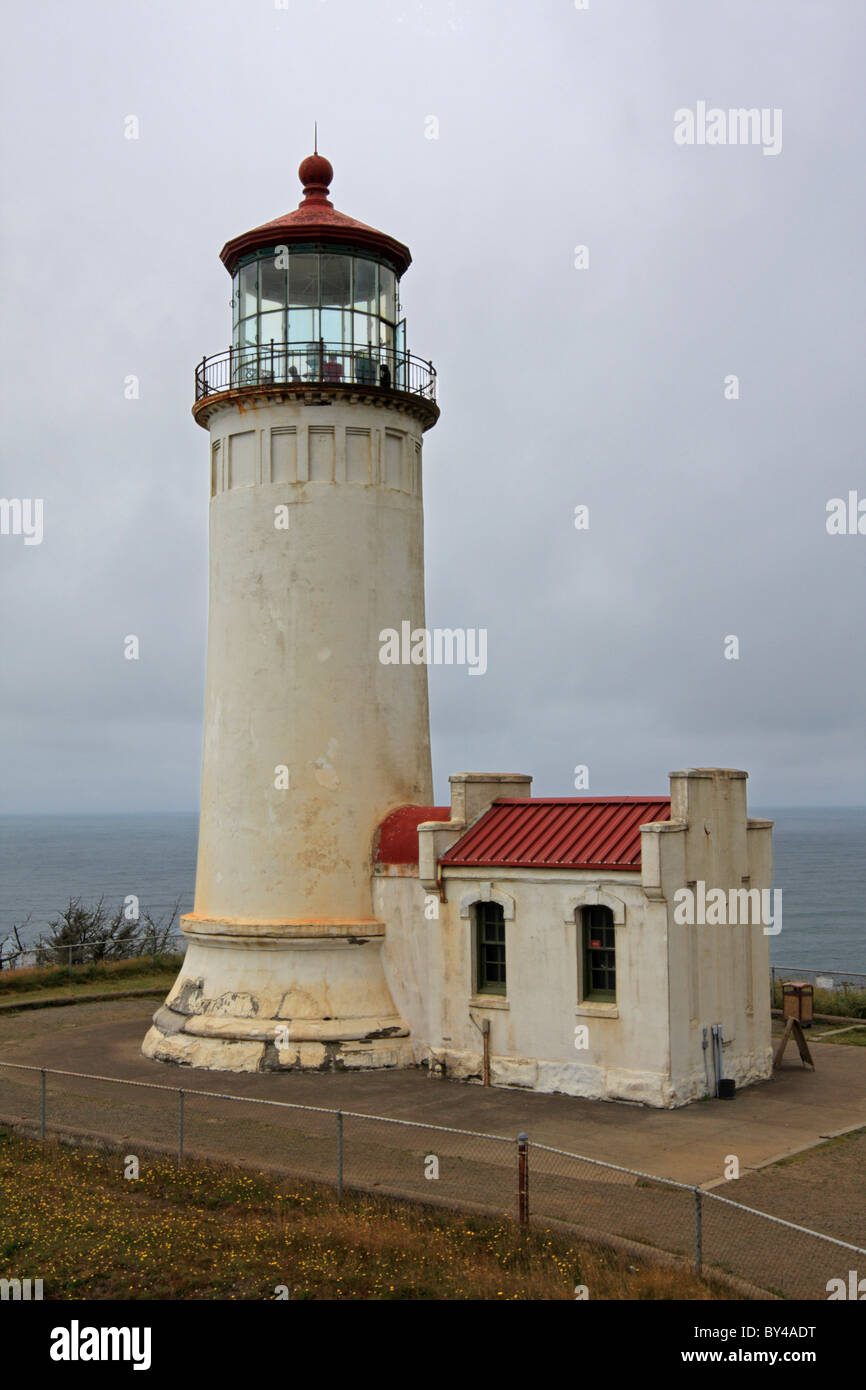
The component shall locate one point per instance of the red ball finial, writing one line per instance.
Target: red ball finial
(315, 173)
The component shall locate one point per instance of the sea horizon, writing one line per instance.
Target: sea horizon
(48, 858)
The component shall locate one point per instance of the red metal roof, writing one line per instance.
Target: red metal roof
(560, 832)
(396, 839)
(317, 220)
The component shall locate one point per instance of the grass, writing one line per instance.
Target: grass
(831, 1030)
(856, 1038)
(839, 1141)
(71, 1218)
(96, 977)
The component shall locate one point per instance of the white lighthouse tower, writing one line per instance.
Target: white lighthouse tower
(316, 415)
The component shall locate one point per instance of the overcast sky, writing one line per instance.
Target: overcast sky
(602, 386)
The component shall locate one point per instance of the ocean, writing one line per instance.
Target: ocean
(820, 866)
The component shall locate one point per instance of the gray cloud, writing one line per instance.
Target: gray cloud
(557, 386)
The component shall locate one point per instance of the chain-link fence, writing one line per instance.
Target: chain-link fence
(823, 979)
(759, 1250)
(601, 1202)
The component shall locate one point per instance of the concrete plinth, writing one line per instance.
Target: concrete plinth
(272, 996)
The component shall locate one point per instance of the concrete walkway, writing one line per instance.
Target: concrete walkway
(792, 1112)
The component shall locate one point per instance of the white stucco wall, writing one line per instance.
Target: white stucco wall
(293, 675)
(671, 980)
(532, 1029)
(718, 974)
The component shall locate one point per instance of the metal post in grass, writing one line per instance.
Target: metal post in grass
(699, 1232)
(339, 1154)
(523, 1179)
(69, 967)
(43, 1105)
(179, 1128)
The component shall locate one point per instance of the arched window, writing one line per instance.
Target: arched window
(489, 932)
(598, 953)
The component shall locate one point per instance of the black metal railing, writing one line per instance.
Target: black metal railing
(298, 364)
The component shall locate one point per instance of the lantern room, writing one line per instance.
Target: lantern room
(304, 295)
(316, 299)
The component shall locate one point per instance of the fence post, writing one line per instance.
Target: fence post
(339, 1154)
(179, 1128)
(699, 1232)
(69, 967)
(523, 1179)
(43, 1105)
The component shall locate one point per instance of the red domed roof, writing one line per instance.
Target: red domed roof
(316, 219)
(396, 839)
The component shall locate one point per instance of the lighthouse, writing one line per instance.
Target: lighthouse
(315, 415)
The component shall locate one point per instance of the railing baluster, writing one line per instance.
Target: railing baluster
(247, 366)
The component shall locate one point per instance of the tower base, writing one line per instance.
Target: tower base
(221, 1053)
(280, 996)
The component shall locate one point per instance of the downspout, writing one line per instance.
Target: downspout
(717, 1054)
(485, 1038)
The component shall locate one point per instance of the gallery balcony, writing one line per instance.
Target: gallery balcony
(313, 371)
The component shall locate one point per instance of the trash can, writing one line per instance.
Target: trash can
(797, 1000)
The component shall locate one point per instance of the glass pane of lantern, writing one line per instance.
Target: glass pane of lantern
(333, 328)
(400, 378)
(336, 274)
(365, 291)
(273, 285)
(366, 330)
(272, 327)
(313, 358)
(304, 280)
(248, 289)
(249, 331)
(236, 311)
(387, 294)
(300, 325)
